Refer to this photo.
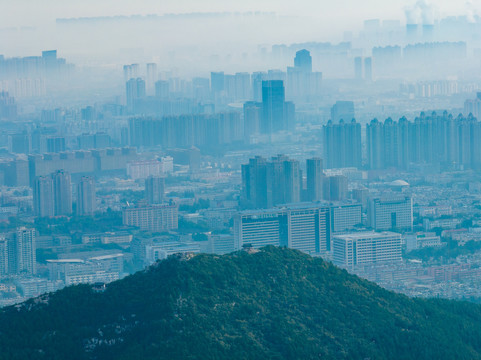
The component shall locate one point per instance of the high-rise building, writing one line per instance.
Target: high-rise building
(22, 249)
(390, 213)
(315, 177)
(335, 188)
(151, 77)
(50, 60)
(257, 79)
(269, 183)
(254, 183)
(62, 193)
(387, 144)
(154, 189)
(43, 196)
(243, 86)
(302, 83)
(375, 144)
(303, 61)
(366, 248)
(131, 71)
(342, 144)
(3, 255)
(217, 82)
(86, 196)
(186, 130)
(293, 181)
(274, 115)
(452, 143)
(252, 119)
(135, 90)
(8, 107)
(304, 227)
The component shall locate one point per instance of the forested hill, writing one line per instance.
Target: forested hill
(273, 304)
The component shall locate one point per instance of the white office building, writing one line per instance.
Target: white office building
(366, 248)
(304, 227)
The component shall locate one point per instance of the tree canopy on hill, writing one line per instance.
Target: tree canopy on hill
(273, 304)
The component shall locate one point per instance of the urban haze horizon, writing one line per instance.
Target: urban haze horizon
(133, 132)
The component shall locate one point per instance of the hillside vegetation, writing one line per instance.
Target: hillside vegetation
(274, 304)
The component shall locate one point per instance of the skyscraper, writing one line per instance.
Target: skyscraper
(24, 249)
(269, 183)
(135, 89)
(86, 196)
(303, 61)
(375, 144)
(314, 179)
(293, 177)
(151, 77)
(254, 183)
(303, 85)
(154, 189)
(273, 103)
(62, 193)
(252, 119)
(257, 79)
(342, 144)
(43, 196)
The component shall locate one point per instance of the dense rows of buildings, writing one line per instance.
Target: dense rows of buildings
(266, 183)
(435, 139)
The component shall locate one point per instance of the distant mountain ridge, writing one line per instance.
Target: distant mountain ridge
(276, 303)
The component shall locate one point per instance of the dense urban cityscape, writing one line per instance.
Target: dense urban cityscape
(364, 152)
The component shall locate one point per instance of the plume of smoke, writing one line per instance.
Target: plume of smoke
(470, 11)
(421, 12)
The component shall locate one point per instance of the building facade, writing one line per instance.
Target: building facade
(391, 213)
(155, 218)
(304, 227)
(366, 248)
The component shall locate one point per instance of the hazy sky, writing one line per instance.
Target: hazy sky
(28, 26)
(35, 12)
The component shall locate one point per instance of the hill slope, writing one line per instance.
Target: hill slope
(274, 304)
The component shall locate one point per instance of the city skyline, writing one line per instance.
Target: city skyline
(134, 132)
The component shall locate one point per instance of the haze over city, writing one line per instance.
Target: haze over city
(240, 179)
